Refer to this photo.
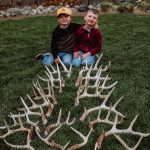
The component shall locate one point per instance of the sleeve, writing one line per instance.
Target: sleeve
(97, 39)
(54, 45)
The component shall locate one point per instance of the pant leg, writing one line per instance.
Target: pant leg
(66, 58)
(48, 59)
(89, 60)
(76, 62)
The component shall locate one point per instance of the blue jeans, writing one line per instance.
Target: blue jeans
(65, 57)
(78, 61)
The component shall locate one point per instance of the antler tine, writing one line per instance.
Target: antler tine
(97, 62)
(20, 122)
(89, 71)
(106, 67)
(8, 130)
(79, 79)
(49, 127)
(85, 139)
(39, 88)
(99, 141)
(25, 105)
(50, 78)
(46, 140)
(125, 145)
(54, 71)
(31, 100)
(86, 66)
(14, 120)
(44, 120)
(107, 97)
(59, 78)
(41, 92)
(67, 120)
(32, 123)
(42, 78)
(116, 104)
(132, 123)
(59, 117)
(62, 64)
(99, 113)
(64, 148)
(48, 71)
(27, 146)
(70, 71)
(108, 87)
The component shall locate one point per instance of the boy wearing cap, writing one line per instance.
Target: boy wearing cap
(63, 39)
(88, 40)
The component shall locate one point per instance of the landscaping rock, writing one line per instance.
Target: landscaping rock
(82, 8)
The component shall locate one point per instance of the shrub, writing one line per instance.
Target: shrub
(125, 8)
(145, 6)
(106, 7)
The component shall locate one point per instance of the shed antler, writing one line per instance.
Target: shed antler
(48, 140)
(103, 106)
(20, 129)
(27, 146)
(100, 120)
(54, 80)
(98, 87)
(114, 131)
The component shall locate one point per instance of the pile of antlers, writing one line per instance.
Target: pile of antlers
(43, 101)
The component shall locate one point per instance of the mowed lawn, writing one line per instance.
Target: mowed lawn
(126, 43)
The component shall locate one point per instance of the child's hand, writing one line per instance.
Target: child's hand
(57, 61)
(86, 55)
(76, 55)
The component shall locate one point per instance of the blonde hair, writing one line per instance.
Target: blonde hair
(94, 11)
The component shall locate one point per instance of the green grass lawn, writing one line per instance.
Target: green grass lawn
(126, 43)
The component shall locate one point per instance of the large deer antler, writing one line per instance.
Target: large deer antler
(29, 112)
(46, 103)
(52, 80)
(20, 129)
(103, 106)
(105, 120)
(48, 140)
(114, 131)
(11, 131)
(39, 92)
(83, 89)
(27, 146)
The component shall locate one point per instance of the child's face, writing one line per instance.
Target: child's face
(64, 19)
(91, 19)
